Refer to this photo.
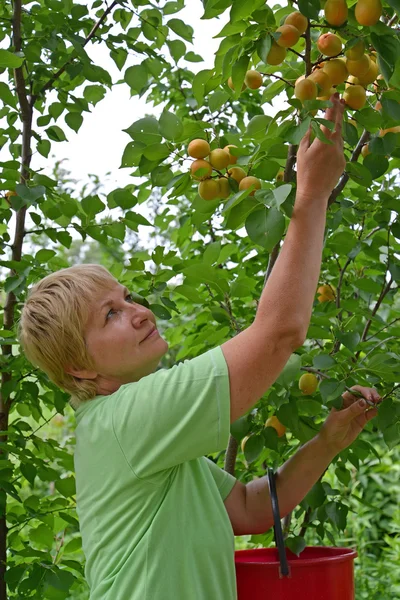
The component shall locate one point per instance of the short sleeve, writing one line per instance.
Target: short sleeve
(174, 415)
(225, 481)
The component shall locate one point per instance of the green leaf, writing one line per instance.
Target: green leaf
(264, 46)
(42, 536)
(177, 49)
(192, 57)
(30, 194)
(160, 311)
(182, 29)
(290, 371)
(350, 340)
(5, 94)
(56, 134)
(240, 428)
(310, 8)
(44, 255)
(92, 205)
(145, 130)
(66, 486)
(74, 120)
(359, 174)
(171, 126)
(377, 165)
(241, 9)
(253, 448)
(296, 544)
(265, 227)
(136, 77)
(239, 70)
(9, 60)
(331, 389)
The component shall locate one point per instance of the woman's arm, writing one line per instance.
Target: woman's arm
(249, 506)
(256, 356)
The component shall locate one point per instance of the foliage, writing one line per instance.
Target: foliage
(206, 272)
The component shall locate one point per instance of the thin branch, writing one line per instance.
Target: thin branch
(308, 50)
(365, 137)
(380, 330)
(382, 295)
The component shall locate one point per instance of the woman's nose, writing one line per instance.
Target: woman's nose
(139, 315)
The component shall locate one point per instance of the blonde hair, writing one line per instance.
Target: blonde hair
(52, 325)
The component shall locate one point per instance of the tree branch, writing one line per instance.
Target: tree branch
(365, 137)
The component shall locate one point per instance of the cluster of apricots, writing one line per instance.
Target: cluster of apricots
(357, 68)
(214, 174)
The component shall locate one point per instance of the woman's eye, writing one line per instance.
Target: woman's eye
(129, 298)
(110, 314)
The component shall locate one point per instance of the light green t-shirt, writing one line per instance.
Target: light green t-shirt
(150, 505)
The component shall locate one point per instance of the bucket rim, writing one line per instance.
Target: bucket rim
(348, 553)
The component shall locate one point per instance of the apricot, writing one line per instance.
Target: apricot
(370, 75)
(296, 19)
(200, 169)
(276, 54)
(326, 293)
(336, 71)
(328, 95)
(308, 383)
(355, 52)
(219, 159)
(336, 12)
(276, 424)
(224, 187)
(10, 194)
(355, 96)
(329, 44)
(237, 174)
(232, 158)
(280, 176)
(199, 148)
(358, 67)
(368, 12)
(289, 36)
(365, 150)
(253, 79)
(306, 89)
(351, 80)
(230, 83)
(322, 79)
(378, 105)
(209, 189)
(248, 182)
(395, 129)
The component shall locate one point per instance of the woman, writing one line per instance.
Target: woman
(157, 518)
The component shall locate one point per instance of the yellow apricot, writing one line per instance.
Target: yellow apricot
(395, 129)
(370, 75)
(199, 148)
(336, 71)
(358, 67)
(296, 19)
(248, 182)
(351, 80)
(237, 174)
(365, 150)
(253, 79)
(230, 83)
(289, 36)
(224, 187)
(368, 12)
(355, 96)
(276, 424)
(200, 169)
(232, 158)
(306, 89)
(308, 383)
(336, 12)
(280, 176)
(219, 159)
(322, 79)
(326, 293)
(356, 52)
(209, 189)
(329, 44)
(276, 54)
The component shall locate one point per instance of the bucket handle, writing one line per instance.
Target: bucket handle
(284, 569)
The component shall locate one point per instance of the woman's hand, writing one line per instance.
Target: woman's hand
(343, 426)
(319, 165)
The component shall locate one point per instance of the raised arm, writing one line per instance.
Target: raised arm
(256, 356)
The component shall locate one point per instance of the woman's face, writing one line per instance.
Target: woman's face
(122, 339)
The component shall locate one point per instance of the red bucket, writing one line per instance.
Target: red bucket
(319, 573)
